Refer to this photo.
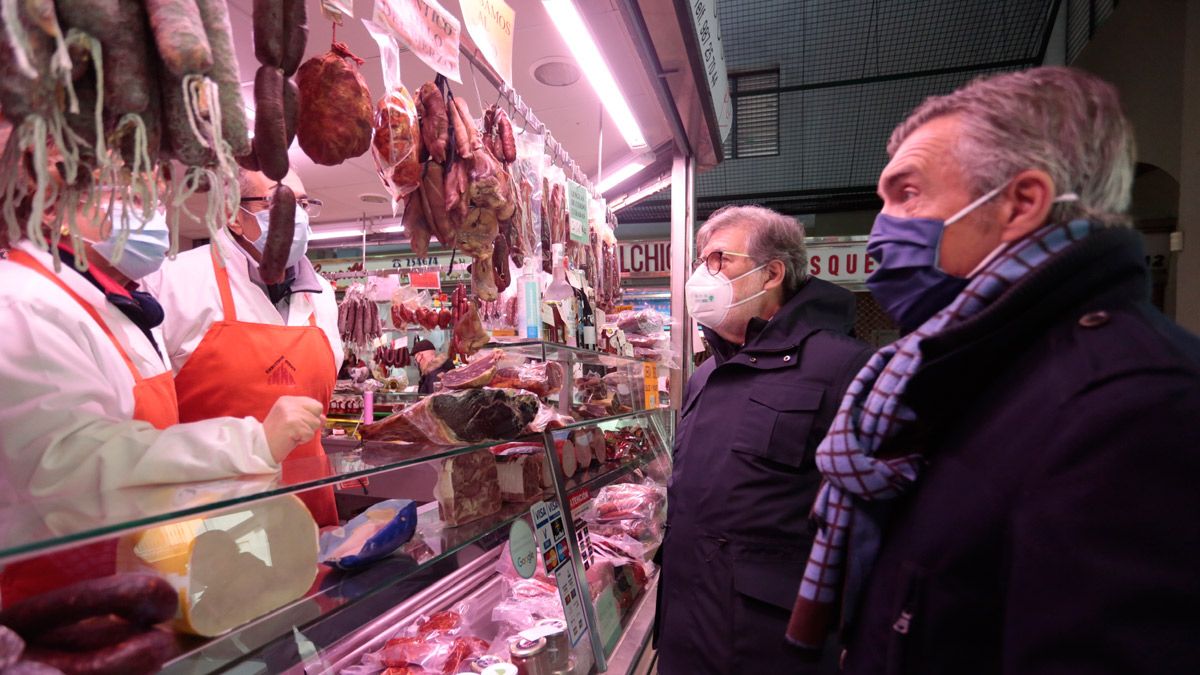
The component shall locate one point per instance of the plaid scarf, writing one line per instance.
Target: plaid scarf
(872, 412)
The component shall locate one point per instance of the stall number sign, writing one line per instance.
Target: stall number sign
(551, 534)
(840, 263)
(712, 52)
(645, 259)
(577, 208)
(490, 23)
(425, 27)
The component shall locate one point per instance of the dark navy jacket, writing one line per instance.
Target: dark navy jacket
(1056, 526)
(743, 484)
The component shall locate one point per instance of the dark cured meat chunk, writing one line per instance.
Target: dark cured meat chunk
(455, 417)
(477, 373)
(335, 107)
(485, 414)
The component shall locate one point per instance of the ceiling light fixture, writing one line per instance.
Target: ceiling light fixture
(638, 195)
(318, 235)
(625, 172)
(579, 40)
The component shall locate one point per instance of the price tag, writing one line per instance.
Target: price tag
(577, 208)
(650, 377)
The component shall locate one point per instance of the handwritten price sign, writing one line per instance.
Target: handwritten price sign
(425, 27)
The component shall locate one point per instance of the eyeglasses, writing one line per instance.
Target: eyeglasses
(311, 206)
(715, 261)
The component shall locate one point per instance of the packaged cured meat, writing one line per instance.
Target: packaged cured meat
(370, 536)
(624, 501)
(520, 476)
(396, 144)
(468, 488)
(334, 120)
(544, 378)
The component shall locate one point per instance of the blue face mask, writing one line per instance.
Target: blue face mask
(299, 242)
(145, 249)
(909, 283)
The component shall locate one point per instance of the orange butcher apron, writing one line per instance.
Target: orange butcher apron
(154, 402)
(240, 369)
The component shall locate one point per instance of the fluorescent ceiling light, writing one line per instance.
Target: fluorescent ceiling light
(318, 235)
(639, 195)
(390, 229)
(579, 40)
(625, 172)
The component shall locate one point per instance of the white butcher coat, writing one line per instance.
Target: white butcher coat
(187, 289)
(66, 400)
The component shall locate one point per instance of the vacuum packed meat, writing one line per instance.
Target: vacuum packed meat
(468, 488)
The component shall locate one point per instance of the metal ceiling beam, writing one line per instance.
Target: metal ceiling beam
(635, 23)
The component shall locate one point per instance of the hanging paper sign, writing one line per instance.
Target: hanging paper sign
(431, 279)
(425, 27)
(490, 24)
(577, 207)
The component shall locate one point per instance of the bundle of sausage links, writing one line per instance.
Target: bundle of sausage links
(111, 98)
(91, 627)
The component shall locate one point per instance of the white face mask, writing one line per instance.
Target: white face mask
(710, 296)
(145, 247)
(299, 241)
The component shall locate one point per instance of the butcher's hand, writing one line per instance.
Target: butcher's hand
(292, 420)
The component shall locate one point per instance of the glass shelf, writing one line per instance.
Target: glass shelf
(551, 351)
(42, 525)
(337, 589)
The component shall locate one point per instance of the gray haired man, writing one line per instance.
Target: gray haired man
(1011, 487)
(744, 479)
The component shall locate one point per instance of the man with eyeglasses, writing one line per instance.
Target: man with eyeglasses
(744, 478)
(237, 344)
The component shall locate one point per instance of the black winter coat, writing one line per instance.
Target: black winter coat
(743, 484)
(1056, 527)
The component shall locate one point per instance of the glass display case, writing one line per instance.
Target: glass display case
(535, 548)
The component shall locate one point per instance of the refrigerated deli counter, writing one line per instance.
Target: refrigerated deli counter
(533, 551)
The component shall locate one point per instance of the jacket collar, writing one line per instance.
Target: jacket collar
(1105, 268)
(818, 305)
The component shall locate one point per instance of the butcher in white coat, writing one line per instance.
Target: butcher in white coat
(237, 343)
(69, 394)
